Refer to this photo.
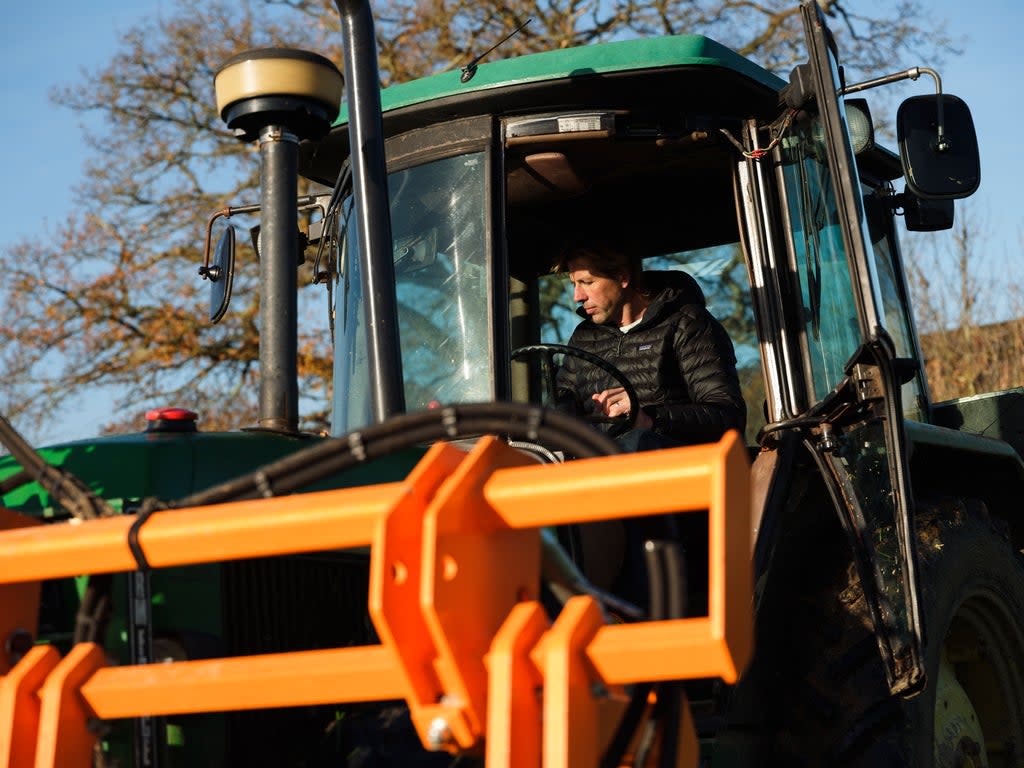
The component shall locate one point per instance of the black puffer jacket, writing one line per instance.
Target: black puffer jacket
(679, 360)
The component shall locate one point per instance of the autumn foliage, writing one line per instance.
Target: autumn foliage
(110, 296)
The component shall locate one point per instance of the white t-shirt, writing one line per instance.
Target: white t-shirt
(630, 326)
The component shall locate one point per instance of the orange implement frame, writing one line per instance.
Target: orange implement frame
(454, 588)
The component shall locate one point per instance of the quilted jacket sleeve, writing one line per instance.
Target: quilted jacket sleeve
(707, 364)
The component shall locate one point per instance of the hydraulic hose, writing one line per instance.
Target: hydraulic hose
(63, 487)
(514, 420)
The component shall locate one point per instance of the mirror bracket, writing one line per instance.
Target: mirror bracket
(923, 215)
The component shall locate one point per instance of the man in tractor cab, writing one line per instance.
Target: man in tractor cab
(655, 328)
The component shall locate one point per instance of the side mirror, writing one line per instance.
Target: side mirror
(221, 274)
(938, 147)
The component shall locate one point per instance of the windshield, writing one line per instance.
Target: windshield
(438, 221)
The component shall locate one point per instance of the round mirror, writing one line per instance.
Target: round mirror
(221, 274)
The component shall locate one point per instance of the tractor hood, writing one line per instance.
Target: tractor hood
(125, 469)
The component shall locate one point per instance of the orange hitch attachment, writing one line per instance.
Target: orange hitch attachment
(454, 596)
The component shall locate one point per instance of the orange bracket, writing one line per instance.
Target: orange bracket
(19, 706)
(513, 695)
(571, 713)
(455, 569)
(395, 575)
(19, 602)
(547, 704)
(65, 739)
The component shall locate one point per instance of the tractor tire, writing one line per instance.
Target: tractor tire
(815, 693)
(972, 710)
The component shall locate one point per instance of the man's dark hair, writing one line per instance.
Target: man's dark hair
(605, 260)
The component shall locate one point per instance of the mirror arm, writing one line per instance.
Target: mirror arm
(305, 203)
(909, 74)
(228, 212)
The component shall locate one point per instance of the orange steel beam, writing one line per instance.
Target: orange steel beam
(441, 534)
(613, 487)
(365, 673)
(671, 650)
(265, 527)
(678, 479)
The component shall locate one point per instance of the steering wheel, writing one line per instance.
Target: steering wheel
(619, 424)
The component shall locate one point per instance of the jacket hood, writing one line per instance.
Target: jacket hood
(670, 290)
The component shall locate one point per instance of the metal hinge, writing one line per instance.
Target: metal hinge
(867, 381)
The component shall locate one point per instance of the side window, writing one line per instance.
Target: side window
(352, 406)
(892, 298)
(829, 317)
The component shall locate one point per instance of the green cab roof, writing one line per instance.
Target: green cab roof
(597, 59)
(690, 70)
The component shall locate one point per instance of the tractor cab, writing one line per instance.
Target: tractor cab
(647, 145)
(772, 194)
(635, 143)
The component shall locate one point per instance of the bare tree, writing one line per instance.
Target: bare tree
(972, 335)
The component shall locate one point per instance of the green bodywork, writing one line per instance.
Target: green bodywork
(973, 448)
(170, 465)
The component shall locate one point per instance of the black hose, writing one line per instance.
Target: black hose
(612, 757)
(516, 420)
(666, 593)
(14, 482)
(657, 586)
(675, 577)
(800, 422)
(63, 487)
(94, 610)
(668, 712)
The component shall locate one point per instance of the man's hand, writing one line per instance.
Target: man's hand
(615, 402)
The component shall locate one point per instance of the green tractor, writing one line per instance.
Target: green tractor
(429, 585)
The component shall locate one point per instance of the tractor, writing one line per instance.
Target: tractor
(435, 582)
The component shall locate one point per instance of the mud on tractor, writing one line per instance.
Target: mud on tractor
(435, 583)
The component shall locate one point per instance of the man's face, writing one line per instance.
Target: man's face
(602, 297)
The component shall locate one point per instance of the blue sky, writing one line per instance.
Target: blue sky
(43, 45)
